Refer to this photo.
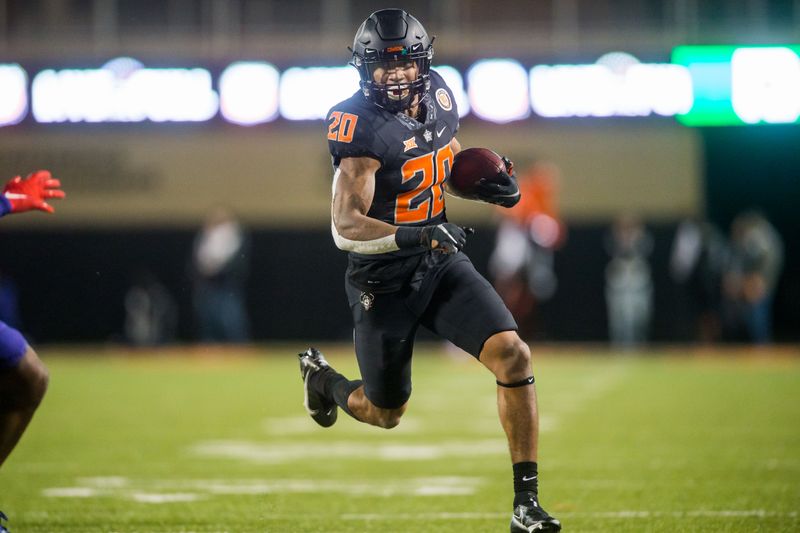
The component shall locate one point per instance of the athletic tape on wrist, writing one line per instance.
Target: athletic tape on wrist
(408, 237)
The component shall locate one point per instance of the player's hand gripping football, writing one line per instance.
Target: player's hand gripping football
(32, 192)
(448, 238)
(501, 189)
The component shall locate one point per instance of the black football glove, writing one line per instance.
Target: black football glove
(500, 190)
(445, 237)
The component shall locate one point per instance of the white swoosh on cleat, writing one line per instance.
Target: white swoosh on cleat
(310, 411)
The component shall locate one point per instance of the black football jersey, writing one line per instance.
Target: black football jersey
(415, 155)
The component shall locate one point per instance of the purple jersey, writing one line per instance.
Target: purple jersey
(5, 205)
(12, 346)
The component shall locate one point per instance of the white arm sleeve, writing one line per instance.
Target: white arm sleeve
(380, 245)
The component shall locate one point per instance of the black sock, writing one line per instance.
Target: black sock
(342, 388)
(526, 483)
(334, 387)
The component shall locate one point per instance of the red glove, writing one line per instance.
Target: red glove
(32, 192)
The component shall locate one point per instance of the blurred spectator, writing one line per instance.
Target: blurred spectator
(751, 275)
(219, 273)
(150, 312)
(529, 233)
(696, 263)
(629, 287)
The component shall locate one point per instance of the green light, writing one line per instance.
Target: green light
(713, 85)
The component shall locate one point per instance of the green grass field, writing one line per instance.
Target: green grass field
(218, 441)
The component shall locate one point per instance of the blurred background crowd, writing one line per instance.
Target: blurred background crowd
(639, 223)
(725, 284)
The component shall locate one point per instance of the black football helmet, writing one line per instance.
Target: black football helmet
(387, 37)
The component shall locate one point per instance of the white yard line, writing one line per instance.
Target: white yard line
(278, 453)
(166, 491)
(177, 490)
(149, 497)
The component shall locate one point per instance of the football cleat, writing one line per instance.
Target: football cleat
(530, 518)
(324, 412)
(3, 519)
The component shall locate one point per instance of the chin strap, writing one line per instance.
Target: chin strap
(521, 383)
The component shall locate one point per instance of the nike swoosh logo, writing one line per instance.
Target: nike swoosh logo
(439, 133)
(525, 478)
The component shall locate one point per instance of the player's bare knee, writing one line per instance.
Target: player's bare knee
(389, 421)
(510, 358)
(39, 384)
(34, 379)
(390, 418)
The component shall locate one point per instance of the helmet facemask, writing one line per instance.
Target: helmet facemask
(393, 94)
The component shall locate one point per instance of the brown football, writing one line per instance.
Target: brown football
(470, 166)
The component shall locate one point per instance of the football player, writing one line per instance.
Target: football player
(392, 145)
(23, 376)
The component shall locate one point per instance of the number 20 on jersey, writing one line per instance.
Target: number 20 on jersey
(342, 127)
(426, 200)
